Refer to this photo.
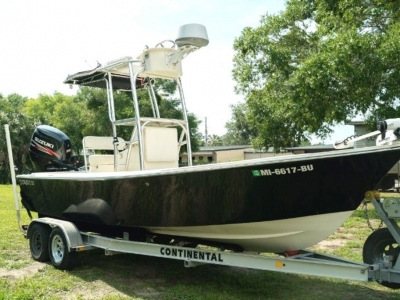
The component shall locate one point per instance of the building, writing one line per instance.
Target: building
(310, 149)
(214, 154)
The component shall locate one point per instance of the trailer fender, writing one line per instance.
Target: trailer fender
(71, 232)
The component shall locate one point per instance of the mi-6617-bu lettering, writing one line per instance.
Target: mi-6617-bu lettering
(191, 254)
(283, 171)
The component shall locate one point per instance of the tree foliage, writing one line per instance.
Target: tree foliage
(21, 128)
(239, 131)
(316, 64)
(214, 140)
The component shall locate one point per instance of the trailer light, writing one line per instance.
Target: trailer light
(279, 264)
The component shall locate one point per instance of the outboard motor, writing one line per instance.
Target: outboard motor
(50, 150)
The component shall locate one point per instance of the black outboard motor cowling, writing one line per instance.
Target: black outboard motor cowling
(50, 150)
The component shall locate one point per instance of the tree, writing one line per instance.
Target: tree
(21, 128)
(214, 140)
(317, 64)
(239, 131)
(97, 120)
(40, 110)
(71, 116)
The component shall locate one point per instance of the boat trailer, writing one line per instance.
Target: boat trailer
(63, 241)
(60, 241)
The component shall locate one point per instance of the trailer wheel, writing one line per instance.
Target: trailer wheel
(38, 242)
(378, 245)
(60, 257)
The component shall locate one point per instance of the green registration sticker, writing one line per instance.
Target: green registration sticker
(256, 172)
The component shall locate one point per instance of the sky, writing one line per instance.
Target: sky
(43, 41)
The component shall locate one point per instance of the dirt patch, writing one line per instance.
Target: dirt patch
(330, 244)
(29, 270)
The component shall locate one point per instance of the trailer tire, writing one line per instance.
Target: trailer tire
(60, 257)
(379, 244)
(38, 242)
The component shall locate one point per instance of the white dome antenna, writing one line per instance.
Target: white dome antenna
(192, 35)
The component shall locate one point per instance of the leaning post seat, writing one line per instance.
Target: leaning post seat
(161, 148)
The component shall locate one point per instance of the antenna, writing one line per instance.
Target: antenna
(191, 37)
(194, 35)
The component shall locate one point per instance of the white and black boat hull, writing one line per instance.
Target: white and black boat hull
(272, 205)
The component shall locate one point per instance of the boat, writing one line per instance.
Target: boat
(277, 204)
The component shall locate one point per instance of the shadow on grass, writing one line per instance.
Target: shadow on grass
(157, 278)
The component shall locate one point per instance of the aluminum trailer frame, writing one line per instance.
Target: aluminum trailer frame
(305, 262)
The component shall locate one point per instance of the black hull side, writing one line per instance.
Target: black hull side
(210, 196)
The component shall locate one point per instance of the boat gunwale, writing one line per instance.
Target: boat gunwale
(96, 176)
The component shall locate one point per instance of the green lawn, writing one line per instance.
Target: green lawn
(140, 277)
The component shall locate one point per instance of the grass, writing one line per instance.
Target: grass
(141, 277)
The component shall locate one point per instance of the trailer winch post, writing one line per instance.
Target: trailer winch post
(13, 180)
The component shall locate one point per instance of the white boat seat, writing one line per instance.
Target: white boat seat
(102, 143)
(106, 159)
(101, 162)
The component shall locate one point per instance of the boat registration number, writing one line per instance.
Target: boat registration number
(283, 171)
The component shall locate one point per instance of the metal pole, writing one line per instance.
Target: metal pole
(110, 99)
(185, 117)
(133, 77)
(151, 100)
(12, 170)
(111, 114)
(154, 99)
